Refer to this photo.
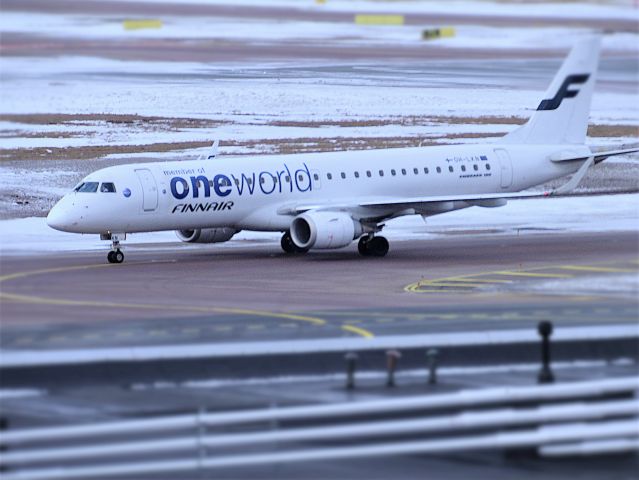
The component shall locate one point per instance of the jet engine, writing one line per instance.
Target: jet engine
(206, 235)
(324, 230)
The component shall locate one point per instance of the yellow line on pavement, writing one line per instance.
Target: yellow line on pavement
(358, 331)
(478, 280)
(13, 276)
(101, 304)
(145, 306)
(585, 268)
(530, 274)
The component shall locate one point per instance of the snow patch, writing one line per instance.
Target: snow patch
(602, 213)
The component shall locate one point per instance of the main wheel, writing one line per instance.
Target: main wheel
(288, 245)
(110, 256)
(362, 246)
(118, 256)
(378, 247)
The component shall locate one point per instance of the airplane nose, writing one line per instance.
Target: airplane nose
(58, 217)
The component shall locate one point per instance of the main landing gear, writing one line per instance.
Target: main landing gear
(289, 246)
(370, 246)
(115, 255)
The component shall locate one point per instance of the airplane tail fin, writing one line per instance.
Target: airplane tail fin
(562, 117)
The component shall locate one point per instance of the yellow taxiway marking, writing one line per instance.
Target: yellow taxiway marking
(464, 283)
(100, 304)
(146, 306)
(584, 268)
(477, 280)
(13, 276)
(455, 284)
(142, 306)
(532, 274)
(357, 330)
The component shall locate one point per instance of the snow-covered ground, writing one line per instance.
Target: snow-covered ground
(521, 217)
(247, 96)
(260, 31)
(257, 106)
(610, 9)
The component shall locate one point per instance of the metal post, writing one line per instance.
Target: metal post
(545, 374)
(432, 354)
(4, 424)
(392, 357)
(351, 363)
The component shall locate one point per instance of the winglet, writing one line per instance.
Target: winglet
(576, 178)
(214, 150)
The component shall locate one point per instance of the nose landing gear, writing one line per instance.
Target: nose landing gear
(370, 246)
(115, 255)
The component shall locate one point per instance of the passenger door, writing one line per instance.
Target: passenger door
(505, 166)
(149, 189)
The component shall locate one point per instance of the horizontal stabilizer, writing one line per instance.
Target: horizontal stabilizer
(599, 156)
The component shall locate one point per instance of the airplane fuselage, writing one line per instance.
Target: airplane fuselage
(258, 193)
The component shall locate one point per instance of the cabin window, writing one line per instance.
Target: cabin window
(288, 179)
(415, 171)
(475, 167)
(403, 171)
(393, 173)
(368, 173)
(329, 176)
(316, 176)
(488, 166)
(108, 187)
(343, 175)
(87, 187)
(450, 168)
(356, 174)
(463, 167)
(381, 173)
(237, 182)
(300, 178)
(426, 170)
(439, 170)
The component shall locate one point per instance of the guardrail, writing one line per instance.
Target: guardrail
(37, 358)
(595, 423)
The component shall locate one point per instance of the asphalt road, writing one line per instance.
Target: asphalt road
(165, 294)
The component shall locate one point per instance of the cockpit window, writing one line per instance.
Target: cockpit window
(87, 187)
(108, 187)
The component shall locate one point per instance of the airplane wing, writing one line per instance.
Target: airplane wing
(418, 203)
(429, 203)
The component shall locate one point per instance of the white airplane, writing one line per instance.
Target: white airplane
(327, 200)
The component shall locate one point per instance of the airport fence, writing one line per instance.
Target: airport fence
(553, 420)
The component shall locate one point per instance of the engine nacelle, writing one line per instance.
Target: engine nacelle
(324, 230)
(206, 235)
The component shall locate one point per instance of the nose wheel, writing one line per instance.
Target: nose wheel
(372, 246)
(115, 256)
